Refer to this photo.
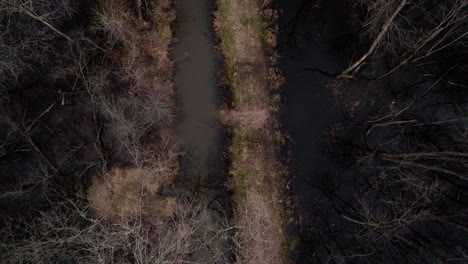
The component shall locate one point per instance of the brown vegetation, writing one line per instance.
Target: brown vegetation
(71, 232)
(124, 193)
(95, 117)
(114, 72)
(248, 35)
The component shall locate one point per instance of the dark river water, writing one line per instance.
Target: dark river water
(306, 41)
(316, 41)
(314, 35)
(196, 86)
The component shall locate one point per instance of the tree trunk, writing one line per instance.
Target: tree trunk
(347, 73)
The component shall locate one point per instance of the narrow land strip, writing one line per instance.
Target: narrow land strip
(247, 33)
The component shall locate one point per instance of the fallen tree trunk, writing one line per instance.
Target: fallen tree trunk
(347, 73)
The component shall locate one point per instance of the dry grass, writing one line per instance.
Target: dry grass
(135, 95)
(115, 194)
(247, 35)
(69, 232)
(139, 46)
(136, 102)
(253, 119)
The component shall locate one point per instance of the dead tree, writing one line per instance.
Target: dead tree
(412, 32)
(355, 66)
(29, 8)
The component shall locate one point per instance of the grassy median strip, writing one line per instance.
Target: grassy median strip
(247, 32)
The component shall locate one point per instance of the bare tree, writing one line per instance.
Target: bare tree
(28, 29)
(30, 8)
(413, 31)
(70, 231)
(376, 42)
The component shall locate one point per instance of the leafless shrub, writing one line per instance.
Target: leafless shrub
(9, 129)
(133, 117)
(157, 154)
(113, 18)
(27, 32)
(144, 62)
(126, 219)
(143, 69)
(386, 212)
(115, 194)
(70, 231)
(43, 12)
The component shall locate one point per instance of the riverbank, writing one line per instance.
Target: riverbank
(247, 34)
(141, 113)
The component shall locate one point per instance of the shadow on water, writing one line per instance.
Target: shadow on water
(314, 35)
(305, 42)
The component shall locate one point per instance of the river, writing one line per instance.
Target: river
(197, 95)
